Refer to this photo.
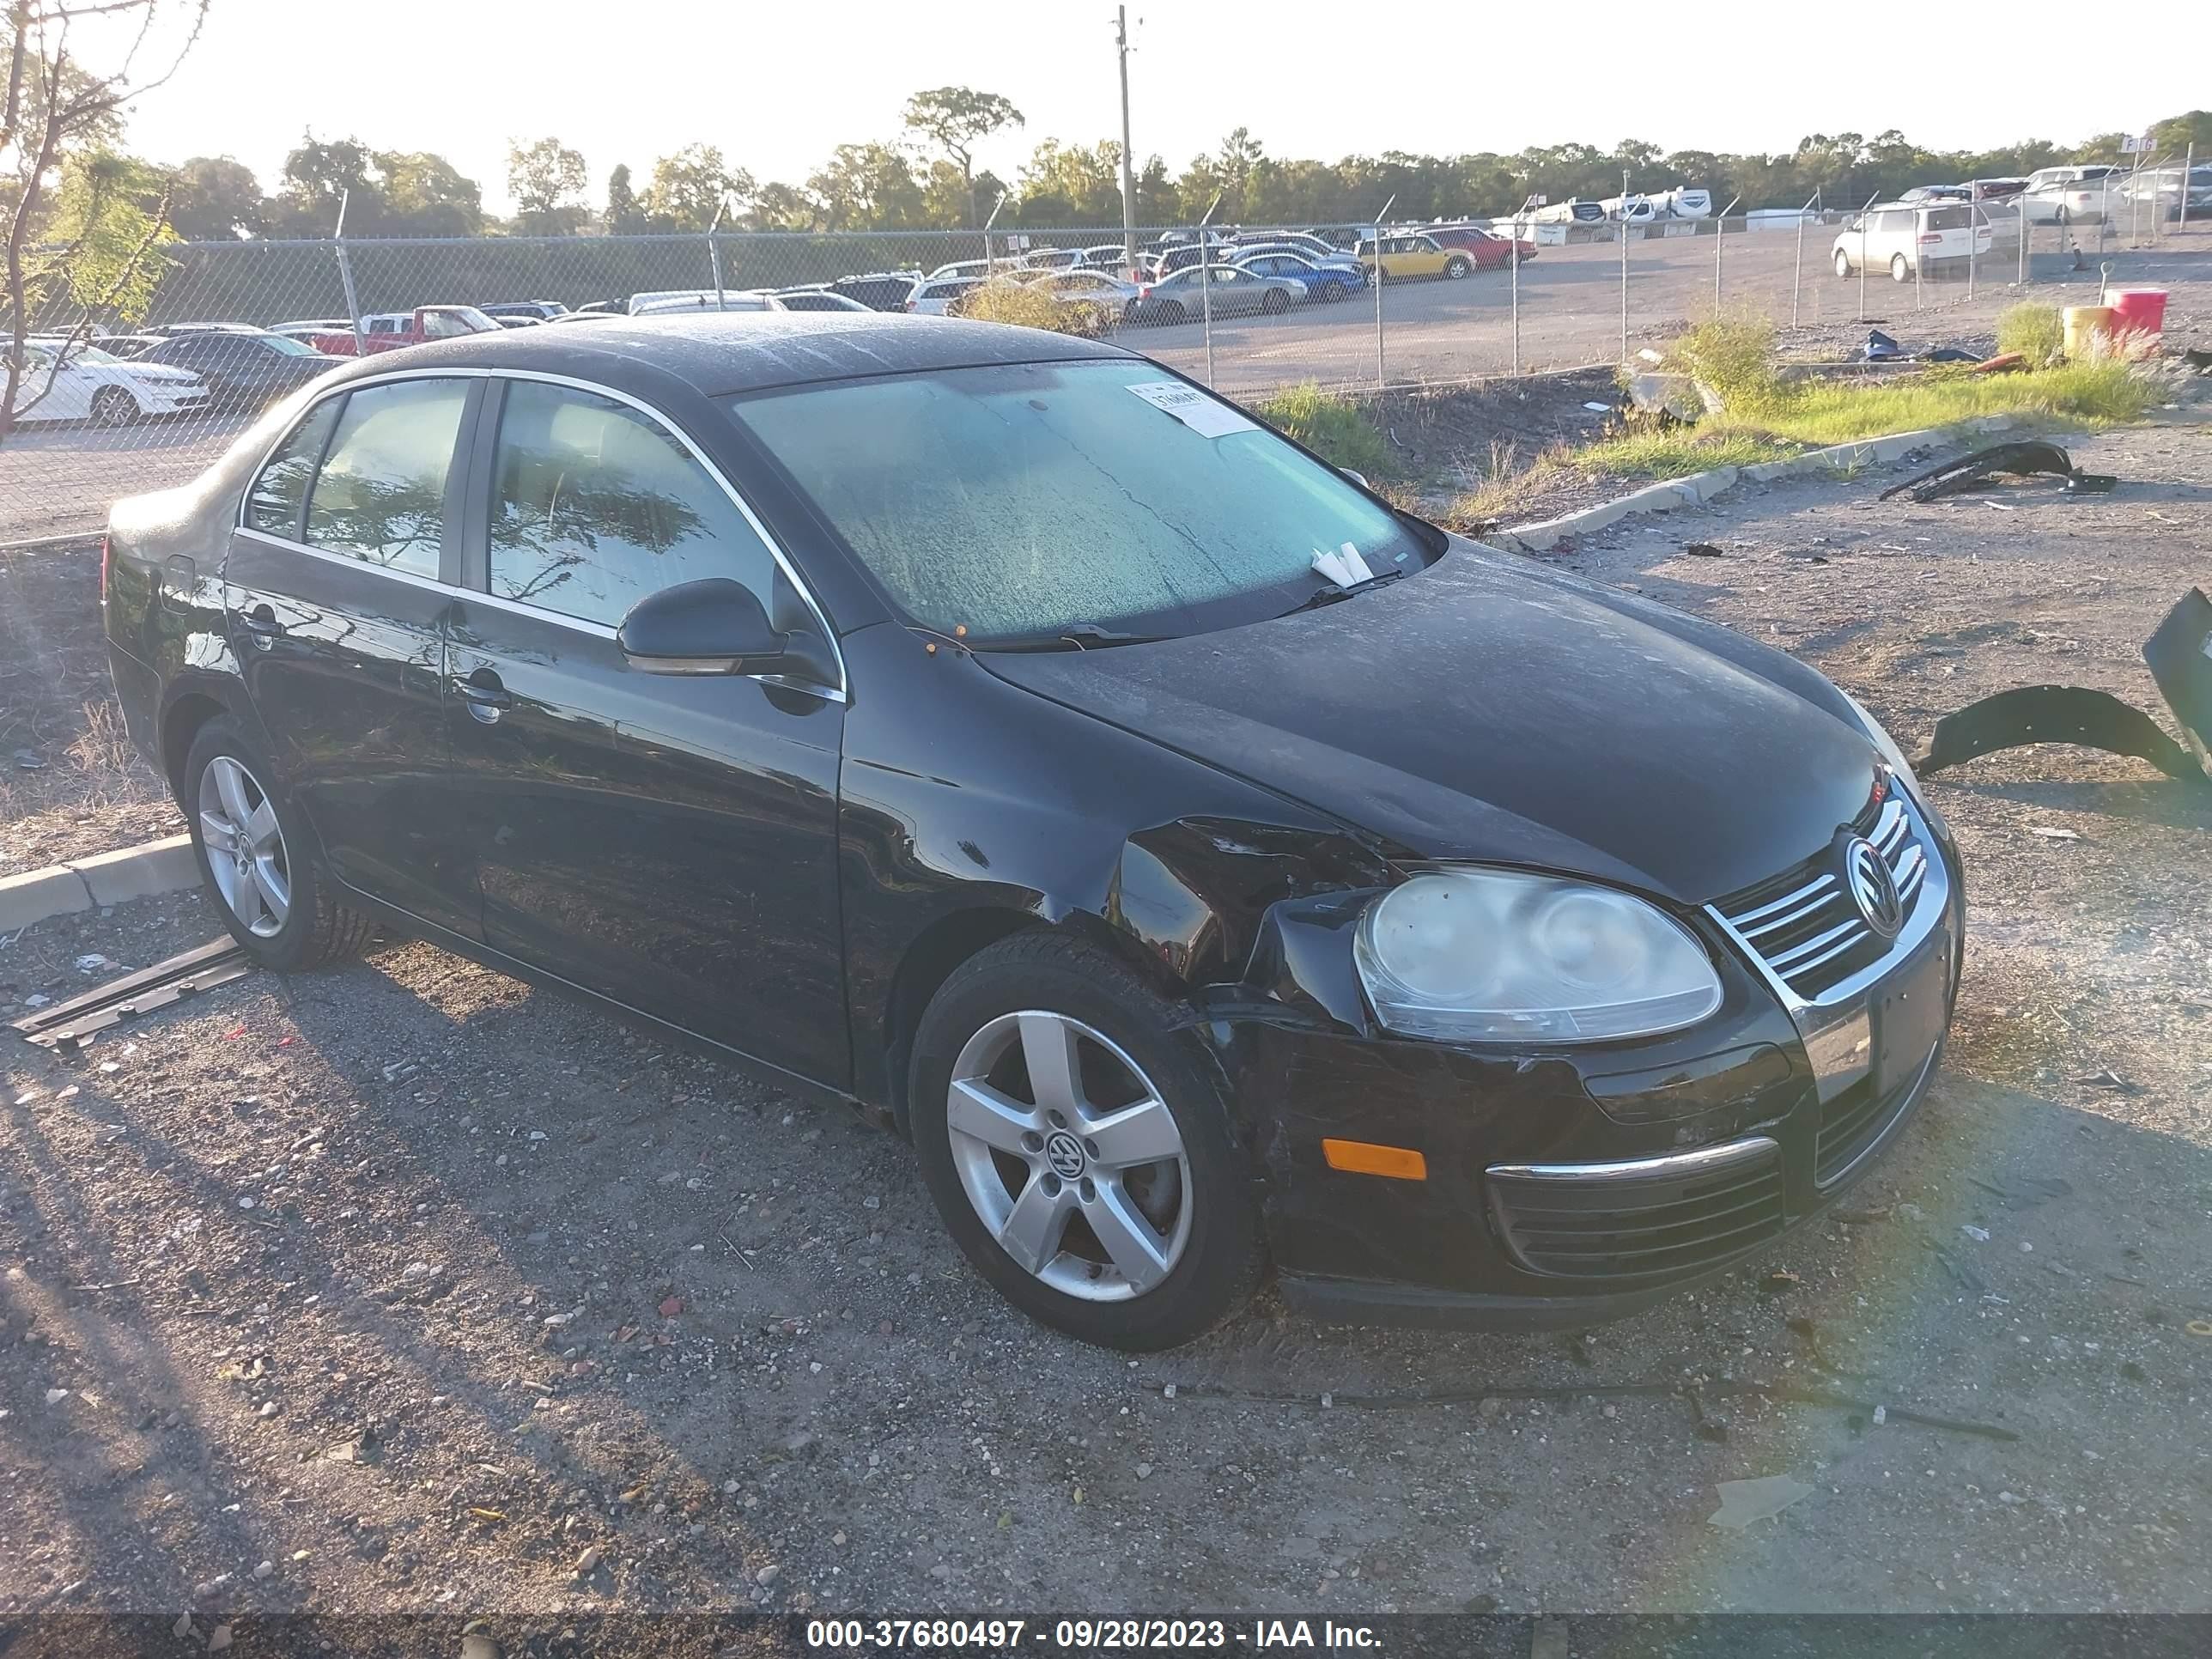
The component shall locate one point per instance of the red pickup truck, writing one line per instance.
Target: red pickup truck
(388, 331)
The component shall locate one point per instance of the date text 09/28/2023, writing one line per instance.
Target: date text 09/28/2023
(1081, 1635)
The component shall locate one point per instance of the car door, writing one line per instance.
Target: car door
(334, 592)
(667, 841)
(46, 394)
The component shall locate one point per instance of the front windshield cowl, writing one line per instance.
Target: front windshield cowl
(1102, 502)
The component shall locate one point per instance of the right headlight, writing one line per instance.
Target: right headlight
(1499, 956)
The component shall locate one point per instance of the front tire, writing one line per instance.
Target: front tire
(1074, 1136)
(1274, 302)
(1843, 263)
(252, 849)
(1456, 267)
(112, 406)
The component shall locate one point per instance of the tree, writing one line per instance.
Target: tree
(425, 195)
(2175, 135)
(57, 108)
(957, 119)
(622, 211)
(214, 199)
(1072, 185)
(318, 175)
(689, 187)
(867, 188)
(547, 180)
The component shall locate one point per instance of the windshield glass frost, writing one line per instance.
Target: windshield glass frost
(1018, 500)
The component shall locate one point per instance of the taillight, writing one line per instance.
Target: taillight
(1931, 236)
(104, 552)
(1144, 292)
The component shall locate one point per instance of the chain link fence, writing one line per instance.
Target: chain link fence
(109, 408)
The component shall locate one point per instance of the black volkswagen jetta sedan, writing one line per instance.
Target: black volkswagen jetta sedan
(1206, 865)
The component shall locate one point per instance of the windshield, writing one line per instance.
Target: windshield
(453, 321)
(288, 346)
(1017, 501)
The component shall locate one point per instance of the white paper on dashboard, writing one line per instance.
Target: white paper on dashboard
(1201, 414)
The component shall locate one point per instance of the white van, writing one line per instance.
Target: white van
(1910, 238)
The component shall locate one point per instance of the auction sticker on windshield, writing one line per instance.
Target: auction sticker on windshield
(1200, 413)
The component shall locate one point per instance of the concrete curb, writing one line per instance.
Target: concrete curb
(1702, 487)
(63, 889)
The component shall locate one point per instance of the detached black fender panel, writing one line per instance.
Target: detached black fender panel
(2054, 714)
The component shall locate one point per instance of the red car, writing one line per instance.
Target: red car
(388, 331)
(1490, 250)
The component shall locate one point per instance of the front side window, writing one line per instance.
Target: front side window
(1019, 501)
(380, 495)
(594, 505)
(279, 495)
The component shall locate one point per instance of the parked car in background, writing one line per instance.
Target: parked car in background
(933, 296)
(65, 379)
(306, 328)
(520, 322)
(1937, 193)
(976, 268)
(1997, 190)
(951, 722)
(1049, 258)
(2158, 190)
(1685, 202)
(1109, 257)
(538, 310)
(1111, 296)
(1406, 257)
(199, 328)
(389, 331)
(1229, 292)
(1489, 251)
(1908, 239)
(2069, 195)
(127, 346)
(1324, 283)
(879, 291)
(244, 371)
(814, 297)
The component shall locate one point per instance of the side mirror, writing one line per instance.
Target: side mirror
(1359, 478)
(715, 626)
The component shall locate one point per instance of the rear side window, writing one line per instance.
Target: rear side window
(380, 493)
(594, 507)
(279, 495)
(1949, 218)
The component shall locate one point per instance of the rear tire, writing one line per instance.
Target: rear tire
(253, 852)
(1124, 1188)
(1901, 268)
(1274, 302)
(1171, 313)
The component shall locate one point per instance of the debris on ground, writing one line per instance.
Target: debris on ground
(2053, 714)
(2028, 458)
(1743, 1502)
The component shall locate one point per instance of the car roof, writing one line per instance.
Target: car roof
(716, 354)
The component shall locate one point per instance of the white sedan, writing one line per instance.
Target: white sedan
(90, 385)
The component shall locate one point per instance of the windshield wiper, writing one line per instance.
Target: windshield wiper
(1082, 636)
(1331, 594)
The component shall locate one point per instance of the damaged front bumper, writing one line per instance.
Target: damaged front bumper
(1568, 1186)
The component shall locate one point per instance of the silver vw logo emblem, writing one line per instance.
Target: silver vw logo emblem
(1873, 889)
(1065, 1154)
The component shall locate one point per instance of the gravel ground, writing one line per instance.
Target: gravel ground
(406, 1286)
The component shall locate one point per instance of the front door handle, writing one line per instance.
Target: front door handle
(487, 699)
(261, 626)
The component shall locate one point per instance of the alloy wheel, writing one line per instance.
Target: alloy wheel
(245, 851)
(1072, 1160)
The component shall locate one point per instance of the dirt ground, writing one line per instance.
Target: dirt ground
(70, 783)
(406, 1286)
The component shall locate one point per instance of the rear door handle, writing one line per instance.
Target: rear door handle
(486, 697)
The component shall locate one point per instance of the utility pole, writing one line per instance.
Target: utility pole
(1128, 173)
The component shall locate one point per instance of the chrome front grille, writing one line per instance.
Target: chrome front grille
(1806, 927)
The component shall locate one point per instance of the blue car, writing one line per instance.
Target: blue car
(1320, 282)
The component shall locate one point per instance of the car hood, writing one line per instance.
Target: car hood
(1485, 710)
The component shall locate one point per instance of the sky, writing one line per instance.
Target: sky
(777, 86)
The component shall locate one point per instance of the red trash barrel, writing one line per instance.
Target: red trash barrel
(2138, 310)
